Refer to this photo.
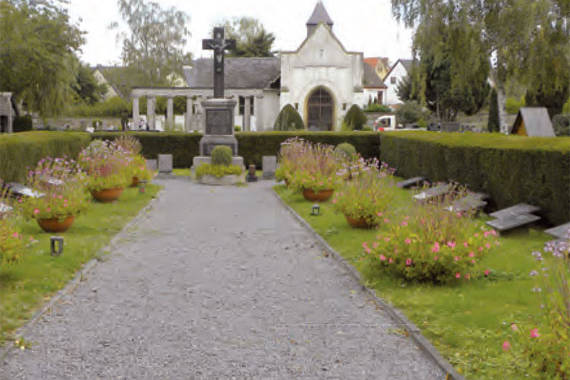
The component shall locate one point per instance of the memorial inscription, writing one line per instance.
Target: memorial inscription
(219, 122)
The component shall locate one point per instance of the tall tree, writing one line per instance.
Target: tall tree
(154, 44)
(507, 29)
(38, 44)
(87, 89)
(252, 40)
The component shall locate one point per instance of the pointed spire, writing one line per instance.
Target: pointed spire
(319, 16)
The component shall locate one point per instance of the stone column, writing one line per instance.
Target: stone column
(170, 113)
(188, 118)
(136, 116)
(247, 114)
(258, 107)
(150, 106)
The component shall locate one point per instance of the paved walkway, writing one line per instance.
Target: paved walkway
(218, 283)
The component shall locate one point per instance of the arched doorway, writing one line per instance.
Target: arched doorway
(320, 110)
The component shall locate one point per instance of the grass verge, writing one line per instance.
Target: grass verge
(26, 286)
(467, 323)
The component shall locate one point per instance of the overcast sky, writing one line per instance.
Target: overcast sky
(361, 25)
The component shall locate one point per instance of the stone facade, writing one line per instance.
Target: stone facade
(399, 71)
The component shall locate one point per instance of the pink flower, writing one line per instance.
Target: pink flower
(488, 246)
(380, 214)
(534, 333)
(408, 262)
(436, 258)
(473, 261)
(386, 220)
(408, 241)
(451, 244)
(364, 245)
(48, 209)
(375, 245)
(36, 211)
(367, 249)
(435, 248)
(334, 201)
(514, 327)
(387, 239)
(480, 249)
(487, 271)
(15, 235)
(382, 258)
(465, 244)
(404, 224)
(457, 258)
(493, 232)
(506, 346)
(457, 275)
(390, 261)
(476, 234)
(471, 254)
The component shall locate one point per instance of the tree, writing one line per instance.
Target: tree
(38, 44)
(153, 48)
(493, 122)
(252, 40)
(355, 118)
(503, 28)
(86, 88)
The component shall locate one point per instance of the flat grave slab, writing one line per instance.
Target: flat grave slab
(559, 231)
(4, 209)
(416, 181)
(512, 221)
(433, 193)
(52, 182)
(521, 208)
(19, 190)
(468, 203)
(165, 163)
(269, 165)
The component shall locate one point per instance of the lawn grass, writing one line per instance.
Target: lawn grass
(27, 285)
(467, 323)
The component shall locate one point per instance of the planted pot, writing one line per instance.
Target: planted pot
(135, 182)
(318, 196)
(359, 222)
(56, 225)
(107, 195)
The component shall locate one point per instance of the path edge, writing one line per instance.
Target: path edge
(80, 275)
(395, 314)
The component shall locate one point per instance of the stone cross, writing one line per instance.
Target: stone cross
(219, 45)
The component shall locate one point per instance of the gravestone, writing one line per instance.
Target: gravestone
(412, 182)
(433, 193)
(468, 203)
(152, 165)
(561, 232)
(512, 221)
(18, 190)
(521, 208)
(4, 209)
(269, 165)
(165, 163)
(450, 127)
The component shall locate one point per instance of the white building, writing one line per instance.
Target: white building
(399, 71)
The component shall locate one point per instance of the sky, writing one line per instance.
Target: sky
(361, 25)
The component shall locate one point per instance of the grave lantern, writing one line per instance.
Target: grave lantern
(142, 187)
(316, 210)
(56, 245)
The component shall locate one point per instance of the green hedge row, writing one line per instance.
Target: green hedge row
(252, 145)
(510, 169)
(22, 151)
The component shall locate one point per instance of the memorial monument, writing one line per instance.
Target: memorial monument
(219, 111)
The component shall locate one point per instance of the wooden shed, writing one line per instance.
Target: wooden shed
(533, 122)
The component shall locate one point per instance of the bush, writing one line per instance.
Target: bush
(493, 124)
(23, 123)
(288, 120)
(513, 105)
(355, 118)
(561, 124)
(510, 169)
(222, 155)
(22, 151)
(218, 170)
(112, 107)
(346, 149)
(409, 112)
(11, 245)
(374, 107)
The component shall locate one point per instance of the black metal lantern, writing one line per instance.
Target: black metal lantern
(316, 210)
(56, 245)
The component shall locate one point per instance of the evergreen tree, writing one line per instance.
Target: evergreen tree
(493, 122)
(288, 120)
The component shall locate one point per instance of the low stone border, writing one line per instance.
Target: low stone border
(227, 180)
(80, 276)
(396, 315)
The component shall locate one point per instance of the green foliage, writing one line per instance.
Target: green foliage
(21, 151)
(346, 149)
(106, 165)
(112, 107)
(222, 156)
(409, 112)
(561, 124)
(11, 245)
(315, 168)
(87, 90)
(288, 120)
(493, 124)
(37, 46)
(513, 105)
(566, 109)
(355, 118)
(252, 40)
(23, 123)
(508, 168)
(218, 171)
(375, 107)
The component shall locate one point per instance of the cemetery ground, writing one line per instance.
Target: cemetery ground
(31, 283)
(468, 322)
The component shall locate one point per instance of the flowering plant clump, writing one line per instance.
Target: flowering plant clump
(367, 197)
(11, 244)
(316, 169)
(432, 245)
(290, 156)
(132, 147)
(62, 184)
(107, 165)
(137, 165)
(547, 341)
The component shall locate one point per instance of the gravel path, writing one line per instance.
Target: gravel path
(218, 283)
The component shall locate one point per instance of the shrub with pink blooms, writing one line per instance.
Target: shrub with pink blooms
(107, 164)
(315, 168)
(431, 245)
(546, 343)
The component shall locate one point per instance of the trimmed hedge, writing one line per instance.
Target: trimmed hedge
(252, 146)
(510, 169)
(22, 151)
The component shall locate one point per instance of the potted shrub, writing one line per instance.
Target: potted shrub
(220, 171)
(56, 209)
(137, 163)
(108, 170)
(364, 201)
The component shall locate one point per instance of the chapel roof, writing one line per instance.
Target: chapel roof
(246, 72)
(320, 15)
(370, 79)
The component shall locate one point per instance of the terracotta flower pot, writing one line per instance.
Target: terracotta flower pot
(135, 182)
(107, 195)
(56, 225)
(319, 196)
(358, 223)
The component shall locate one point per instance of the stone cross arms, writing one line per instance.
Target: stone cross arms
(219, 45)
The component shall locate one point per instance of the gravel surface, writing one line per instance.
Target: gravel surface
(218, 283)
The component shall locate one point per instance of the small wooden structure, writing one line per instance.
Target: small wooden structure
(533, 122)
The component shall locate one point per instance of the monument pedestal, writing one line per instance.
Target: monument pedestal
(219, 129)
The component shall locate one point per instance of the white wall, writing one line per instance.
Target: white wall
(399, 72)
